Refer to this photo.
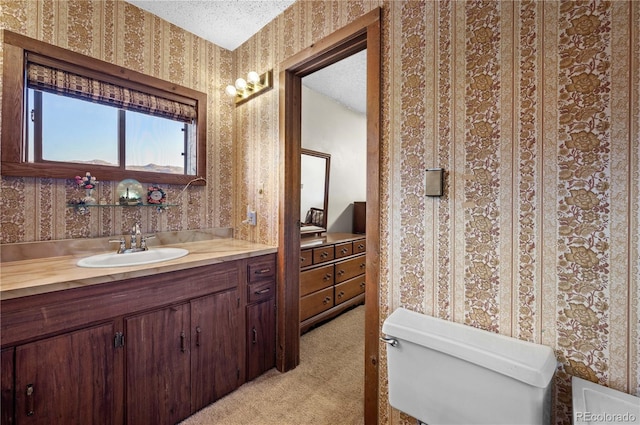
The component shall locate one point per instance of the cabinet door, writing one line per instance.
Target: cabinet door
(261, 338)
(157, 369)
(216, 352)
(67, 379)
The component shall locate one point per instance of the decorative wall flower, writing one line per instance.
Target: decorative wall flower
(584, 25)
(583, 199)
(86, 182)
(582, 256)
(582, 314)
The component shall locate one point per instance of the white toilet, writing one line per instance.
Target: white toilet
(441, 372)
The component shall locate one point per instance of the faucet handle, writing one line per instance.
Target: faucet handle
(122, 242)
(143, 241)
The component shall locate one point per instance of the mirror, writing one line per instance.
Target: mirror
(314, 191)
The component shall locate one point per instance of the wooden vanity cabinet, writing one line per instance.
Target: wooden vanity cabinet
(148, 350)
(261, 317)
(332, 277)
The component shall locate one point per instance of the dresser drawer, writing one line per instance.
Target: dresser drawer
(261, 291)
(348, 269)
(359, 246)
(349, 289)
(316, 279)
(261, 270)
(344, 249)
(306, 257)
(322, 254)
(316, 303)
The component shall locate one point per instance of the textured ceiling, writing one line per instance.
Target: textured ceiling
(344, 81)
(229, 23)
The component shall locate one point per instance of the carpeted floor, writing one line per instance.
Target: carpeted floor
(327, 387)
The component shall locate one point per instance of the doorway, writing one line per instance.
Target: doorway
(363, 33)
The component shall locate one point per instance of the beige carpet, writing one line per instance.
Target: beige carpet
(327, 388)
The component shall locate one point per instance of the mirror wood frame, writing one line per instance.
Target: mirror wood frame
(327, 168)
(13, 163)
(362, 33)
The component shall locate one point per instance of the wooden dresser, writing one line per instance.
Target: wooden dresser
(332, 276)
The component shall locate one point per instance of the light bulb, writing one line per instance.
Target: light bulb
(231, 91)
(253, 77)
(241, 84)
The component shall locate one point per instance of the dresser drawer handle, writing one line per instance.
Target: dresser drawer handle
(327, 276)
(344, 250)
(262, 291)
(263, 271)
(362, 284)
(324, 254)
(302, 259)
(341, 294)
(360, 246)
(363, 265)
(340, 272)
(326, 300)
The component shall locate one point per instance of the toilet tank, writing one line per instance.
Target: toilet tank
(441, 372)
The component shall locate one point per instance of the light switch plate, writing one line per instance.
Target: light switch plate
(434, 179)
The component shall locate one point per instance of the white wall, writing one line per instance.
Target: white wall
(330, 127)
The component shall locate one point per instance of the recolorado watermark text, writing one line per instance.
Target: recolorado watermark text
(609, 418)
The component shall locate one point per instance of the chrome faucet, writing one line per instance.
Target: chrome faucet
(138, 242)
(135, 237)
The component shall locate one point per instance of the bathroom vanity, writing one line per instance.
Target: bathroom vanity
(148, 344)
(332, 276)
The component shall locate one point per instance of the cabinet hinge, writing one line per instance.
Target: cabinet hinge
(118, 341)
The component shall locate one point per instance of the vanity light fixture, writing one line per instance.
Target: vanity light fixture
(255, 84)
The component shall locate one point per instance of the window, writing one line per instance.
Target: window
(78, 110)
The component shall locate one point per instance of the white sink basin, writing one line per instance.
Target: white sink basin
(112, 259)
(599, 405)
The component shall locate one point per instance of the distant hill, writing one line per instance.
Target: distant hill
(150, 168)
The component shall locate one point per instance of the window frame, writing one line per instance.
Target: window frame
(13, 161)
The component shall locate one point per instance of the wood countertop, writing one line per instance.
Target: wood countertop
(38, 276)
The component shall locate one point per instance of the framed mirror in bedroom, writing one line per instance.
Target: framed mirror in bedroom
(314, 191)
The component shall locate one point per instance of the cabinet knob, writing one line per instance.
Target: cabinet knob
(341, 294)
(363, 265)
(327, 276)
(326, 300)
(198, 332)
(362, 284)
(324, 254)
(30, 401)
(344, 250)
(183, 342)
(340, 272)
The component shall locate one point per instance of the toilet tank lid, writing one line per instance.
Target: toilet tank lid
(525, 361)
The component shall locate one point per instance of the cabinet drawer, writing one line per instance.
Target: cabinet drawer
(316, 303)
(261, 270)
(316, 279)
(349, 289)
(344, 249)
(306, 257)
(359, 246)
(348, 269)
(322, 254)
(261, 291)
